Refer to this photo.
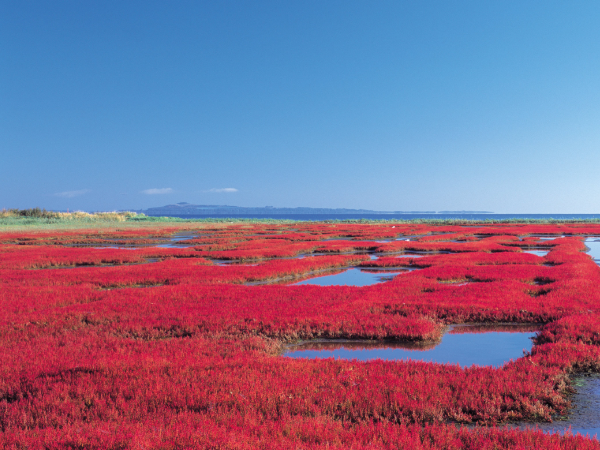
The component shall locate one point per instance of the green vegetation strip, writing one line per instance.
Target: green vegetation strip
(13, 219)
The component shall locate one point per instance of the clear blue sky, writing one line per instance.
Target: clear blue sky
(426, 105)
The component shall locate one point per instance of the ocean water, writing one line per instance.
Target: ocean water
(318, 217)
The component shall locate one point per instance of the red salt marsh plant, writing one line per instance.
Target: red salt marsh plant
(15, 257)
(177, 271)
(197, 430)
(196, 362)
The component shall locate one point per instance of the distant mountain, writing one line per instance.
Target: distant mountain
(187, 209)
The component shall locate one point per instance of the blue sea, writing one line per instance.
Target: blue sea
(319, 217)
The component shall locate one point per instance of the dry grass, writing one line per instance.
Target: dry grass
(101, 216)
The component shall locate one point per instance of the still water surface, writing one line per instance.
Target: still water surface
(353, 277)
(541, 253)
(594, 246)
(465, 345)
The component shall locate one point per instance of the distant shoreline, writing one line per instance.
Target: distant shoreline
(475, 217)
(39, 218)
(190, 210)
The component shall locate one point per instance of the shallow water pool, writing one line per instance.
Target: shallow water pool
(353, 277)
(465, 345)
(541, 253)
(594, 246)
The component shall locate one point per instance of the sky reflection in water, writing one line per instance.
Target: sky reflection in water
(489, 346)
(594, 245)
(352, 277)
(541, 253)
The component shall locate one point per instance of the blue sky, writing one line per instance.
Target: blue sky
(431, 105)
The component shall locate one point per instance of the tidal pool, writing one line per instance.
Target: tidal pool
(466, 345)
(354, 277)
(541, 253)
(594, 245)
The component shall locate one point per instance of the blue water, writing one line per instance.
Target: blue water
(179, 237)
(352, 277)
(319, 217)
(541, 253)
(487, 348)
(594, 245)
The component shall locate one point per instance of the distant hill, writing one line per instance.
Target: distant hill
(187, 209)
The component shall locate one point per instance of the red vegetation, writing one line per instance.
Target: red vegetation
(192, 360)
